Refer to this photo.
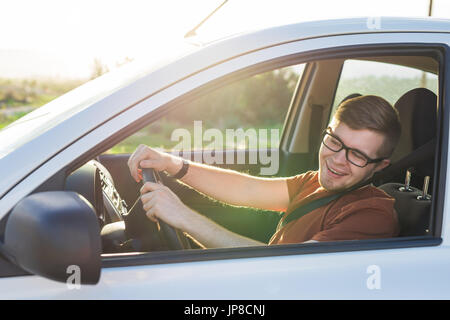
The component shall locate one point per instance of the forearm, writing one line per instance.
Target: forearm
(211, 235)
(233, 187)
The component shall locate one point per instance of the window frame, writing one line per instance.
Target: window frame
(441, 51)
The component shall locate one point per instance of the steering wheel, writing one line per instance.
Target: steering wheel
(94, 182)
(174, 238)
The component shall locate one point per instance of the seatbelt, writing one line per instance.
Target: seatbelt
(418, 155)
(315, 204)
(302, 210)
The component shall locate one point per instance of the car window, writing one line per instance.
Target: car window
(258, 102)
(387, 80)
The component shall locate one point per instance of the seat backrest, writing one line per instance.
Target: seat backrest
(413, 212)
(417, 110)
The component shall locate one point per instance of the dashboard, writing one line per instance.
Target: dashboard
(123, 229)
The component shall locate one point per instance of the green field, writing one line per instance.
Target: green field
(33, 93)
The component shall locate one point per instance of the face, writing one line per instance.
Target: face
(336, 173)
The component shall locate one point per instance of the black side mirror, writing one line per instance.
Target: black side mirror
(51, 233)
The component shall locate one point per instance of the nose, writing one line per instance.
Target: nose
(340, 157)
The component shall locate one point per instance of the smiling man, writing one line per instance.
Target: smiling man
(358, 142)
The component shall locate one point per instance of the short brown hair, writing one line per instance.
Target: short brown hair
(372, 113)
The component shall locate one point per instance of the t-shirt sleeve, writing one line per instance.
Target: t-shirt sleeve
(296, 183)
(362, 222)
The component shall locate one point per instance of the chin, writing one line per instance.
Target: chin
(329, 184)
(331, 187)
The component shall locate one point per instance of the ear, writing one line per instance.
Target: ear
(382, 164)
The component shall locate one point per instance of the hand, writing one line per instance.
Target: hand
(160, 202)
(146, 157)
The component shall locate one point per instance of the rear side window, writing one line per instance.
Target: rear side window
(382, 79)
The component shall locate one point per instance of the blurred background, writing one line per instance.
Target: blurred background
(49, 47)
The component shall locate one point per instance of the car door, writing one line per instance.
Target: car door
(410, 267)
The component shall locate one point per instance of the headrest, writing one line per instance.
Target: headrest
(351, 96)
(417, 110)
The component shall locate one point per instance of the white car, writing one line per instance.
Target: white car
(66, 232)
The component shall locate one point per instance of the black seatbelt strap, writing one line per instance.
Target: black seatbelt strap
(302, 210)
(410, 160)
(315, 204)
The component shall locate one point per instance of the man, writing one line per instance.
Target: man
(358, 142)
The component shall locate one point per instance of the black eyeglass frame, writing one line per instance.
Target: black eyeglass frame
(343, 146)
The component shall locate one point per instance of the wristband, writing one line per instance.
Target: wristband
(184, 169)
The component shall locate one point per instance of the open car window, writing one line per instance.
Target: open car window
(219, 108)
(244, 116)
(259, 102)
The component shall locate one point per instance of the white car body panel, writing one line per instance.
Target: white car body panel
(340, 275)
(310, 276)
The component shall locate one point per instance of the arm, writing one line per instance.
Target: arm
(211, 235)
(160, 202)
(228, 186)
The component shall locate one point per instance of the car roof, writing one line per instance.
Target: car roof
(197, 54)
(356, 25)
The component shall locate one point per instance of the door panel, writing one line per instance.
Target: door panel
(384, 274)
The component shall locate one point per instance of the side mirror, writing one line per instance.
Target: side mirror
(49, 233)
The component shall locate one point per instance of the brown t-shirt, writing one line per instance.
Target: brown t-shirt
(365, 213)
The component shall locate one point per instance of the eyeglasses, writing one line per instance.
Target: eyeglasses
(354, 156)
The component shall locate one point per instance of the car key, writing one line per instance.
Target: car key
(150, 175)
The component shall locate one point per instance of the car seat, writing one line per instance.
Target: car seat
(418, 115)
(417, 110)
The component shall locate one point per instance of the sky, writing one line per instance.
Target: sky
(54, 38)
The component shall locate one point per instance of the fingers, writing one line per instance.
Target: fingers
(148, 204)
(133, 164)
(151, 186)
(149, 201)
(141, 153)
(147, 163)
(160, 203)
(151, 214)
(157, 162)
